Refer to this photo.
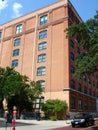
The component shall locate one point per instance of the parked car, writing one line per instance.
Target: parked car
(83, 120)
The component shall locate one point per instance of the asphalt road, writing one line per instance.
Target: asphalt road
(95, 127)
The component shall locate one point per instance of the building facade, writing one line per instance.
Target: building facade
(36, 45)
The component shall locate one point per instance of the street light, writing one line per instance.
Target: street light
(38, 103)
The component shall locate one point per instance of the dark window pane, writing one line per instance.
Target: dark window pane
(14, 63)
(17, 42)
(43, 20)
(16, 52)
(42, 46)
(43, 34)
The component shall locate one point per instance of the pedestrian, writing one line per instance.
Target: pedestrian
(14, 113)
(9, 117)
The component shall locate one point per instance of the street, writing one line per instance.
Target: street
(95, 127)
(44, 125)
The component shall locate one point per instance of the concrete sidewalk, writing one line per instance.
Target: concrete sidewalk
(42, 125)
(36, 125)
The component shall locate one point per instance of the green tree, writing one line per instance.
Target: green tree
(86, 34)
(10, 82)
(25, 97)
(19, 95)
(54, 107)
(34, 91)
(17, 89)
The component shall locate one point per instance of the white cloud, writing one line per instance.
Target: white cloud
(3, 4)
(16, 10)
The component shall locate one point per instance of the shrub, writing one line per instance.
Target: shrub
(53, 118)
(53, 108)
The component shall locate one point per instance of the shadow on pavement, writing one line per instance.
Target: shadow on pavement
(4, 124)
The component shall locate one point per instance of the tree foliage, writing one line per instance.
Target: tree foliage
(34, 90)
(53, 107)
(17, 87)
(86, 34)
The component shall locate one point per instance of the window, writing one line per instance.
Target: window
(71, 43)
(16, 52)
(42, 58)
(89, 80)
(43, 34)
(90, 92)
(72, 56)
(14, 63)
(72, 84)
(94, 106)
(42, 83)
(19, 28)
(90, 105)
(17, 42)
(84, 78)
(80, 104)
(97, 83)
(73, 102)
(78, 50)
(85, 89)
(94, 93)
(42, 46)
(43, 19)
(85, 105)
(0, 34)
(72, 69)
(79, 87)
(41, 71)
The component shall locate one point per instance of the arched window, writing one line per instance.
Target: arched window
(17, 42)
(43, 34)
(42, 46)
(41, 58)
(41, 71)
(19, 28)
(16, 52)
(42, 83)
(0, 34)
(43, 19)
(14, 63)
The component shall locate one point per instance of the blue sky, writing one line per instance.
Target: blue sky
(11, 9)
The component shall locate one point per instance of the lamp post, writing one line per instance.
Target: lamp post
(38, 104)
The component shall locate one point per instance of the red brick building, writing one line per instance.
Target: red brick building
(36, 45)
